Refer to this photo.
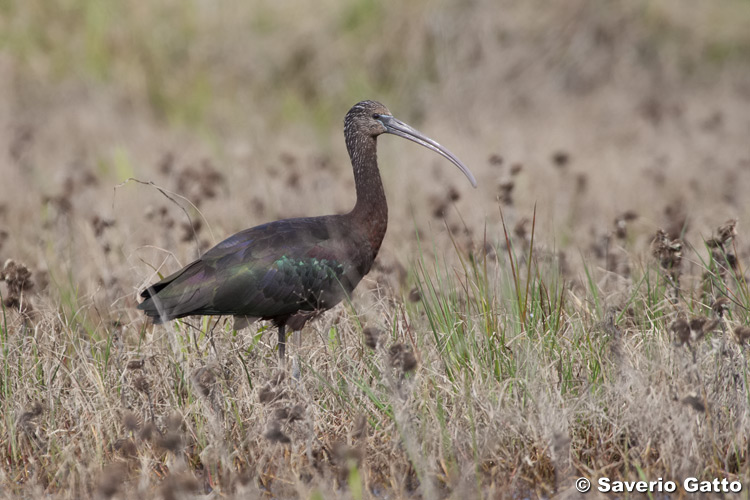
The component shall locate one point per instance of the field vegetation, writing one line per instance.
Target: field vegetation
(584, 312)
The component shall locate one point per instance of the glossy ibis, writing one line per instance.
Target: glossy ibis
(286, 271)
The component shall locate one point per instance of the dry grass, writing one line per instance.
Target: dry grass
(480, 358)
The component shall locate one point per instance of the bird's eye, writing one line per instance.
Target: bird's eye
(375, 115)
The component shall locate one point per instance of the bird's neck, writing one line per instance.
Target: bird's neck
(371, 210)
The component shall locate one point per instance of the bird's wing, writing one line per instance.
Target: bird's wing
(267, 271)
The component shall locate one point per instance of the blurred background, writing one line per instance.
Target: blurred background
(589, 110)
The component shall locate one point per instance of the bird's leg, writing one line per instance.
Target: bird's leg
(211, 336)
(282, 343)
(297, 341)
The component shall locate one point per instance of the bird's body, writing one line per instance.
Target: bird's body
(285, 271)
(272, 271)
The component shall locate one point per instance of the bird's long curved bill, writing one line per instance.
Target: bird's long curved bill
(401, 129)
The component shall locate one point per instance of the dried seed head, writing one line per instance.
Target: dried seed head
(281, 413)
(131, 421)
(268, 395)
(135, 364)
(126, 448)
(371, 335)
(720, 306)
(359, 431)
(560, 159)
(701, 326)
(112, 478)
(696, 324)
(695, 402)
(681, 330)
(17, 277)
(669, 252)
(148, 432)
(520, 230)
(191, 229)
(582, 183)
(727, 231)
(410, 361)
(402, 357)
(496, 160)
(741, 334)
(275, 435)
(100, 224)
(178, 486)
(277, 378)
(141, 384)
(710, 326)
(289, 414)
(439, 209)
(33, 412)
(205, 380)
(297, 412)
(346, 455)
(621, 223)
(505, 191)
(170, 441)
(174, 421)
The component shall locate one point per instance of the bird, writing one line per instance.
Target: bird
(290, 270)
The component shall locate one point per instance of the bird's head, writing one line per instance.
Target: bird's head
(372, 119)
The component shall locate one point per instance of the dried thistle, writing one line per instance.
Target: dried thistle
(727, 231)
(205, 379)
(142, 384)
(130, 421)
(178, 486)
(170, 441)
(741, 334)
(100, 225)
(126, 448)
(290, 414)
(505, 191)
(695, 403)
(668, 251)
(495, 159)
(402, 358)
(371, 335)
(701, 325)
(275, 435)
(359, 430)
(521, 229)
(28, 423)
(18, 278)
(560, 159)
(720, 306)
(621, 223)
(148, 432)
(681, 330)
(191, 229)
(268, 395)
(112, 478)
(135, 364)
